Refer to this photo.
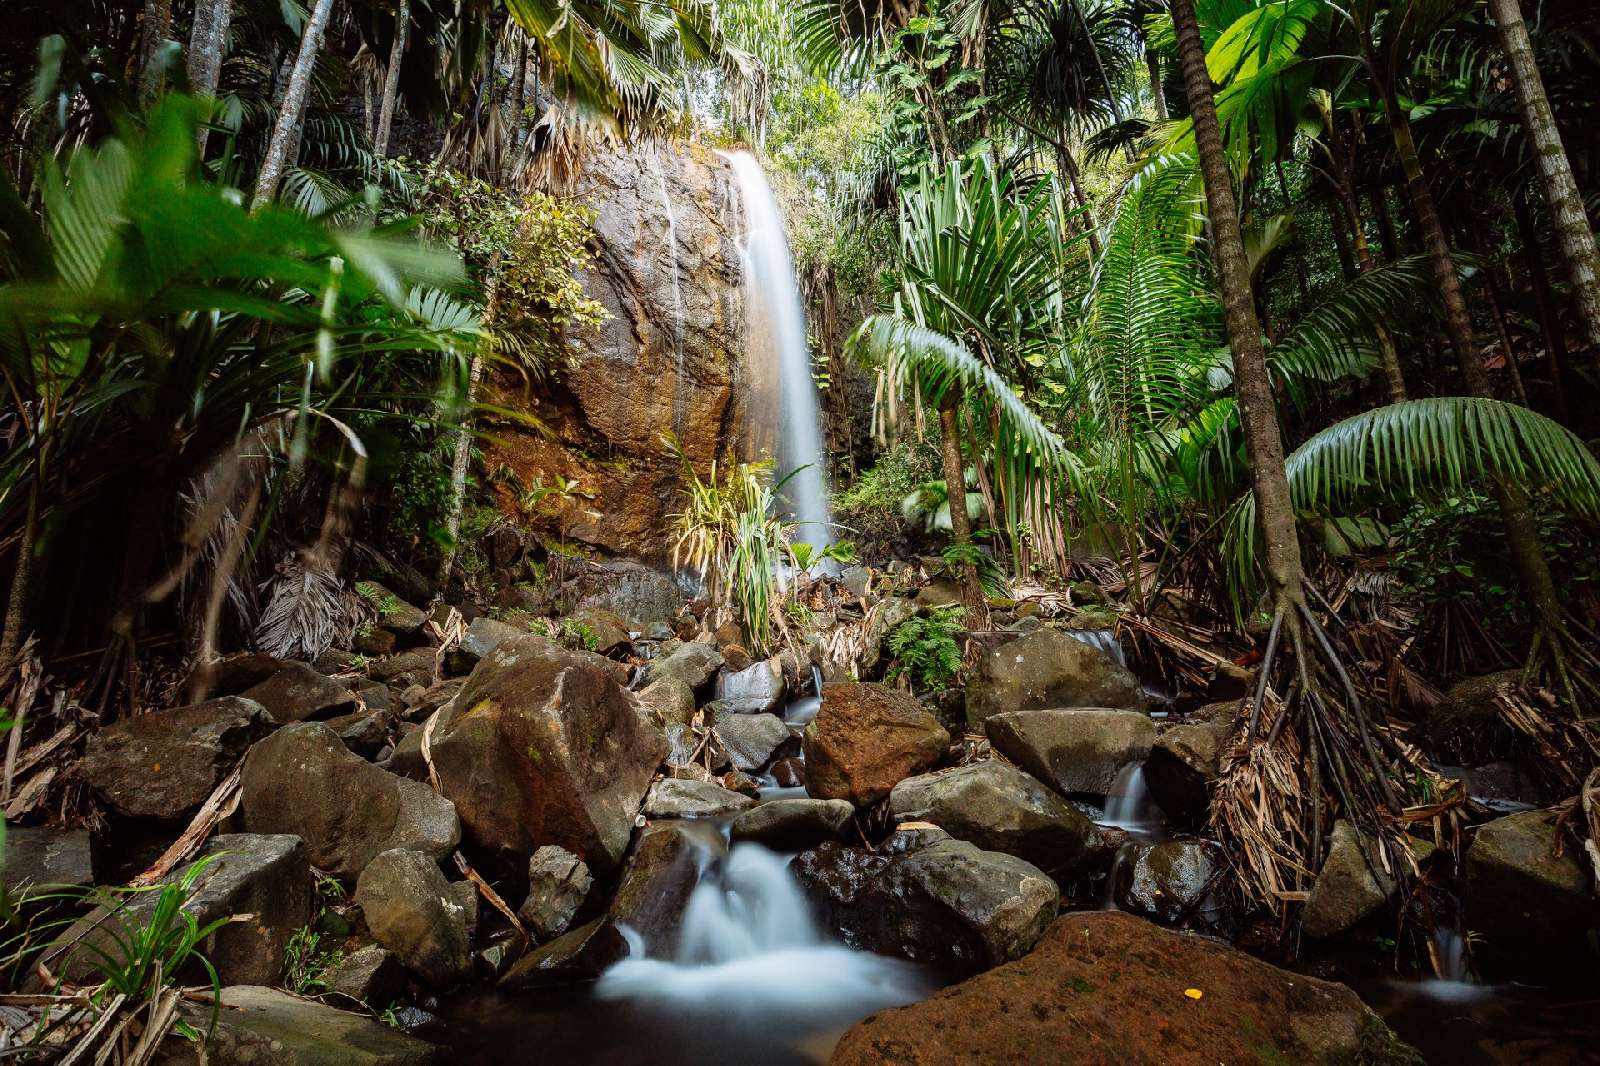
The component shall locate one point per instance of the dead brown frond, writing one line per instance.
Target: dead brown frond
(1261, 810)
(309, 610)
(1568, 747)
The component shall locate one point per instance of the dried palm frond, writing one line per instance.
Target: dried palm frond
(308, 611)
(1261, 808)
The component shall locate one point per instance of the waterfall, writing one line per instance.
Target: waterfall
(750, 946)
(777, 326)
(1129, 804)
(677, 294)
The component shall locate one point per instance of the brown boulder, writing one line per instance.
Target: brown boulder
(542, 746)
(1186, 759)
(1072, 750)
(1048, 668)
(165, 763)
(1109, 989)
(297, 693)
(866, 739)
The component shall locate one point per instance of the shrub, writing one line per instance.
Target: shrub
(925, 649)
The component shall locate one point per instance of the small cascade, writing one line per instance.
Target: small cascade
(1121, 861)
(750, 947)
(777, 324)
(679, 384)
(803, 709)
(1129, 804)
(1102, 640)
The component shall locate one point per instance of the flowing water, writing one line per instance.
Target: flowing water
(679, 384)
(1129, 804)
(777, 327)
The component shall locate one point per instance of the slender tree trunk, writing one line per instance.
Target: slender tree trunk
(1069, 166)
(1386, 231)
(1257, 410)
(955, 484)
(391, 79)
(1575, 235)
(22, 577)
(285, 130)
(1105, 77)
(1344, 186)
(208, 40)
(1555, 341)
(155, 26)
(459, 465)
(519, 89)
(1522, 536)
(1152, 61)
(1497, 303)
(1300, 275)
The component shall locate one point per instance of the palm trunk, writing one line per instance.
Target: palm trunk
(1497, 303)
(955, 484)
(1386, 231)
(1573, 231)
(1157, 93)
(22, 577)
(286, 130)
(155, 26)
(208, 40)
(1344, 186)
(391, 79)
(1301, 277)
(1522, 536)
(1555, 341)
(458, 476)
(1257, 411)
(519, 92)
(1069, 166)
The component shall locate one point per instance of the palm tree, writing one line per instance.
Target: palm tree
(1560, 188)
(285, 131)
(391, 78)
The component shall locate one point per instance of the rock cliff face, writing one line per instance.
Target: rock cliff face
(670, 357)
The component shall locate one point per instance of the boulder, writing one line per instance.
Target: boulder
(670, 698)
(543, 746)
(865, 739)
(754, 690)
(266, 877)
(1536, 910)
(792, 824)
(661, 874)
(1103, 987)
(1186, 760)
(1079, 750)
(372, 975)
(401, 671)
(558, 883)
(393, 613)
(164, 764)
(751, 739)
(680, 798)
(259, 1025)
(303, 780)
(645, 599)
(947, 904)
(603, 632)
(693, 663)
(580, 955)
(40, 860)
(883, 619)
(229, 675)
(298, 693)
(483, 635)
(414, 912)
(1169, 881)
(1000, 808)
(420, 702)
(1047, 668)
(364, 734)
(1465, 727)
(1351, 885)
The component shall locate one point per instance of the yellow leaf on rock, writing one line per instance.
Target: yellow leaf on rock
(1193, 993)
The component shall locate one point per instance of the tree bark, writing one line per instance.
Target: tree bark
(1522, 535)
(285, 130)
(459, 464)
(391, 79)
(208, 41)
(955, 485)
(519, 94)
(155, 26)
(1257, 411)
(1152, 61)
(22, 577)
(1555, 341)
(1386, 231)
(1575, 235)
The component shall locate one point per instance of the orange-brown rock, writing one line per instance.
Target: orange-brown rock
(866, 739)
(667, 359)
(1104, 988)
(543, 746)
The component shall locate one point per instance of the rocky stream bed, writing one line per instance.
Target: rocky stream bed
(657, 849)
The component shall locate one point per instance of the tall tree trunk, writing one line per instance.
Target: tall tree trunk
(1105, 77)
(1344, 186)
(1069, 166)
(285, 131)
(1522, 536)
(1257, 410)
(955, 485)
(22, 576)
(1555, 341)
(1300, 275)
(1573, 231)
(1152, 62)
(1342, 242)
(1497, 303)
(519, 90)
(391, 79)
(459, 465)
(155, 26)
(1386, 231)
(208, 40)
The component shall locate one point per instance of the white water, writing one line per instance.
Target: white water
(750, 947)
(1129, 804)
(1103, 641)
(679, 385)
(777, 323)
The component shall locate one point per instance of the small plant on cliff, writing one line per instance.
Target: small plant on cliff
(582, 635)
(926, 650)
(729, 535)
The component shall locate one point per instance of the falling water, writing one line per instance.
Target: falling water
(1129, 804)
(1102, 640)
(749, 946)
(677, 295)
(775, 311)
